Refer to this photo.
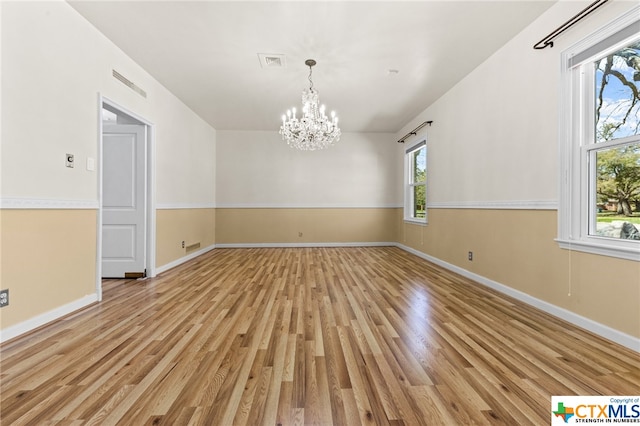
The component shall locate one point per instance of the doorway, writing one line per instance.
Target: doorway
(126, 223)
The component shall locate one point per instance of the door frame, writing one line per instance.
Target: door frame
(150, 219)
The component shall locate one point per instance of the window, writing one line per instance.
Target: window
(415, 200)
(600, 142)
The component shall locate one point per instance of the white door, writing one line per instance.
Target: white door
(123, 200)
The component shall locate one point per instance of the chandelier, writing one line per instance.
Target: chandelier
(313, 130)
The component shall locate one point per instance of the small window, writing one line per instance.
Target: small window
(600, 198)
(416, 183)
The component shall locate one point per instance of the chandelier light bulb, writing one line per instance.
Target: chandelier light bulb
(313, 130)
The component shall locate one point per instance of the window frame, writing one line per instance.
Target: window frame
(577, 141)
(410, 185)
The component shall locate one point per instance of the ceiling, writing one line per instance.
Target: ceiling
(379, 64)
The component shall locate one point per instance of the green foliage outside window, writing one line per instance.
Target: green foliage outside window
(617, 116)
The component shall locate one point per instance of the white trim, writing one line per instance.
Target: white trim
(624, 20)
(48, 203)
(576, 207)
(602, 330)
(150, 149)
(151, 200)
(177, 262)
(497, 205)
(628, 253)
(303, 245)
(408, 184)
(414, 221)
(616, 336)
(98, 259)
(179, 206)
(305, 206)
(47, 317)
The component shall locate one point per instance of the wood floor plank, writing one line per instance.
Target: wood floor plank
(286, 336)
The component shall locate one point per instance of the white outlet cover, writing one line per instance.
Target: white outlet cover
(91, 164)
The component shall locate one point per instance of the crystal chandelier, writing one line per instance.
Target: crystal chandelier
(313, 130)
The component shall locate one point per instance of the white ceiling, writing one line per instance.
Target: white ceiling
(206, 53)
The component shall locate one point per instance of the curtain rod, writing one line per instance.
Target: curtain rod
(548, 40)
(415, 131)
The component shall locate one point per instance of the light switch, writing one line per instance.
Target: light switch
(91, 164)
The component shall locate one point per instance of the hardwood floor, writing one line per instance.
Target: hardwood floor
(341, 336)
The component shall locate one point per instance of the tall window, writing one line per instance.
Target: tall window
(415, 205)
(600, 194)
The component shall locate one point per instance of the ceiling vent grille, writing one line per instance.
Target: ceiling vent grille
(270, 60)
(129, 83)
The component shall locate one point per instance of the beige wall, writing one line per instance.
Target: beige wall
(176, 225)
(48, 260)
(260, 226)
(486, 145)
(516, 248)
(55, 65)
(494, 144)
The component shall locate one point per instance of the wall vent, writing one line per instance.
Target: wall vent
(192, 247)
(271, 60)
(129, 84)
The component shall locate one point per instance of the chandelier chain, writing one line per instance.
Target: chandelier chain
(310, 81)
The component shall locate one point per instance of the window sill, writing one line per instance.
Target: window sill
(602, 249)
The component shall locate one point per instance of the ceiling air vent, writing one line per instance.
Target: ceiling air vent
(129, 83)
(271, 60)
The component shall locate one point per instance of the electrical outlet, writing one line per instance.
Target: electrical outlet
(69, 160)
(470, 256)
(4, 298)
(183, 244)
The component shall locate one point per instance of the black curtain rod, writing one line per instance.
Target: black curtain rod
(548, 40)
(414, 131)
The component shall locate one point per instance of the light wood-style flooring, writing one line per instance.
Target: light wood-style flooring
(314, 336)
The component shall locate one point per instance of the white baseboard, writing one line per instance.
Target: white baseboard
(571, 317)
(302, 245)
(186, 206)
(42, 319)
(170, 265)
(578, 320)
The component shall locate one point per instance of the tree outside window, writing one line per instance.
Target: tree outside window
(598, 209)
(617, 125)
(416, 183)
(419, 160)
